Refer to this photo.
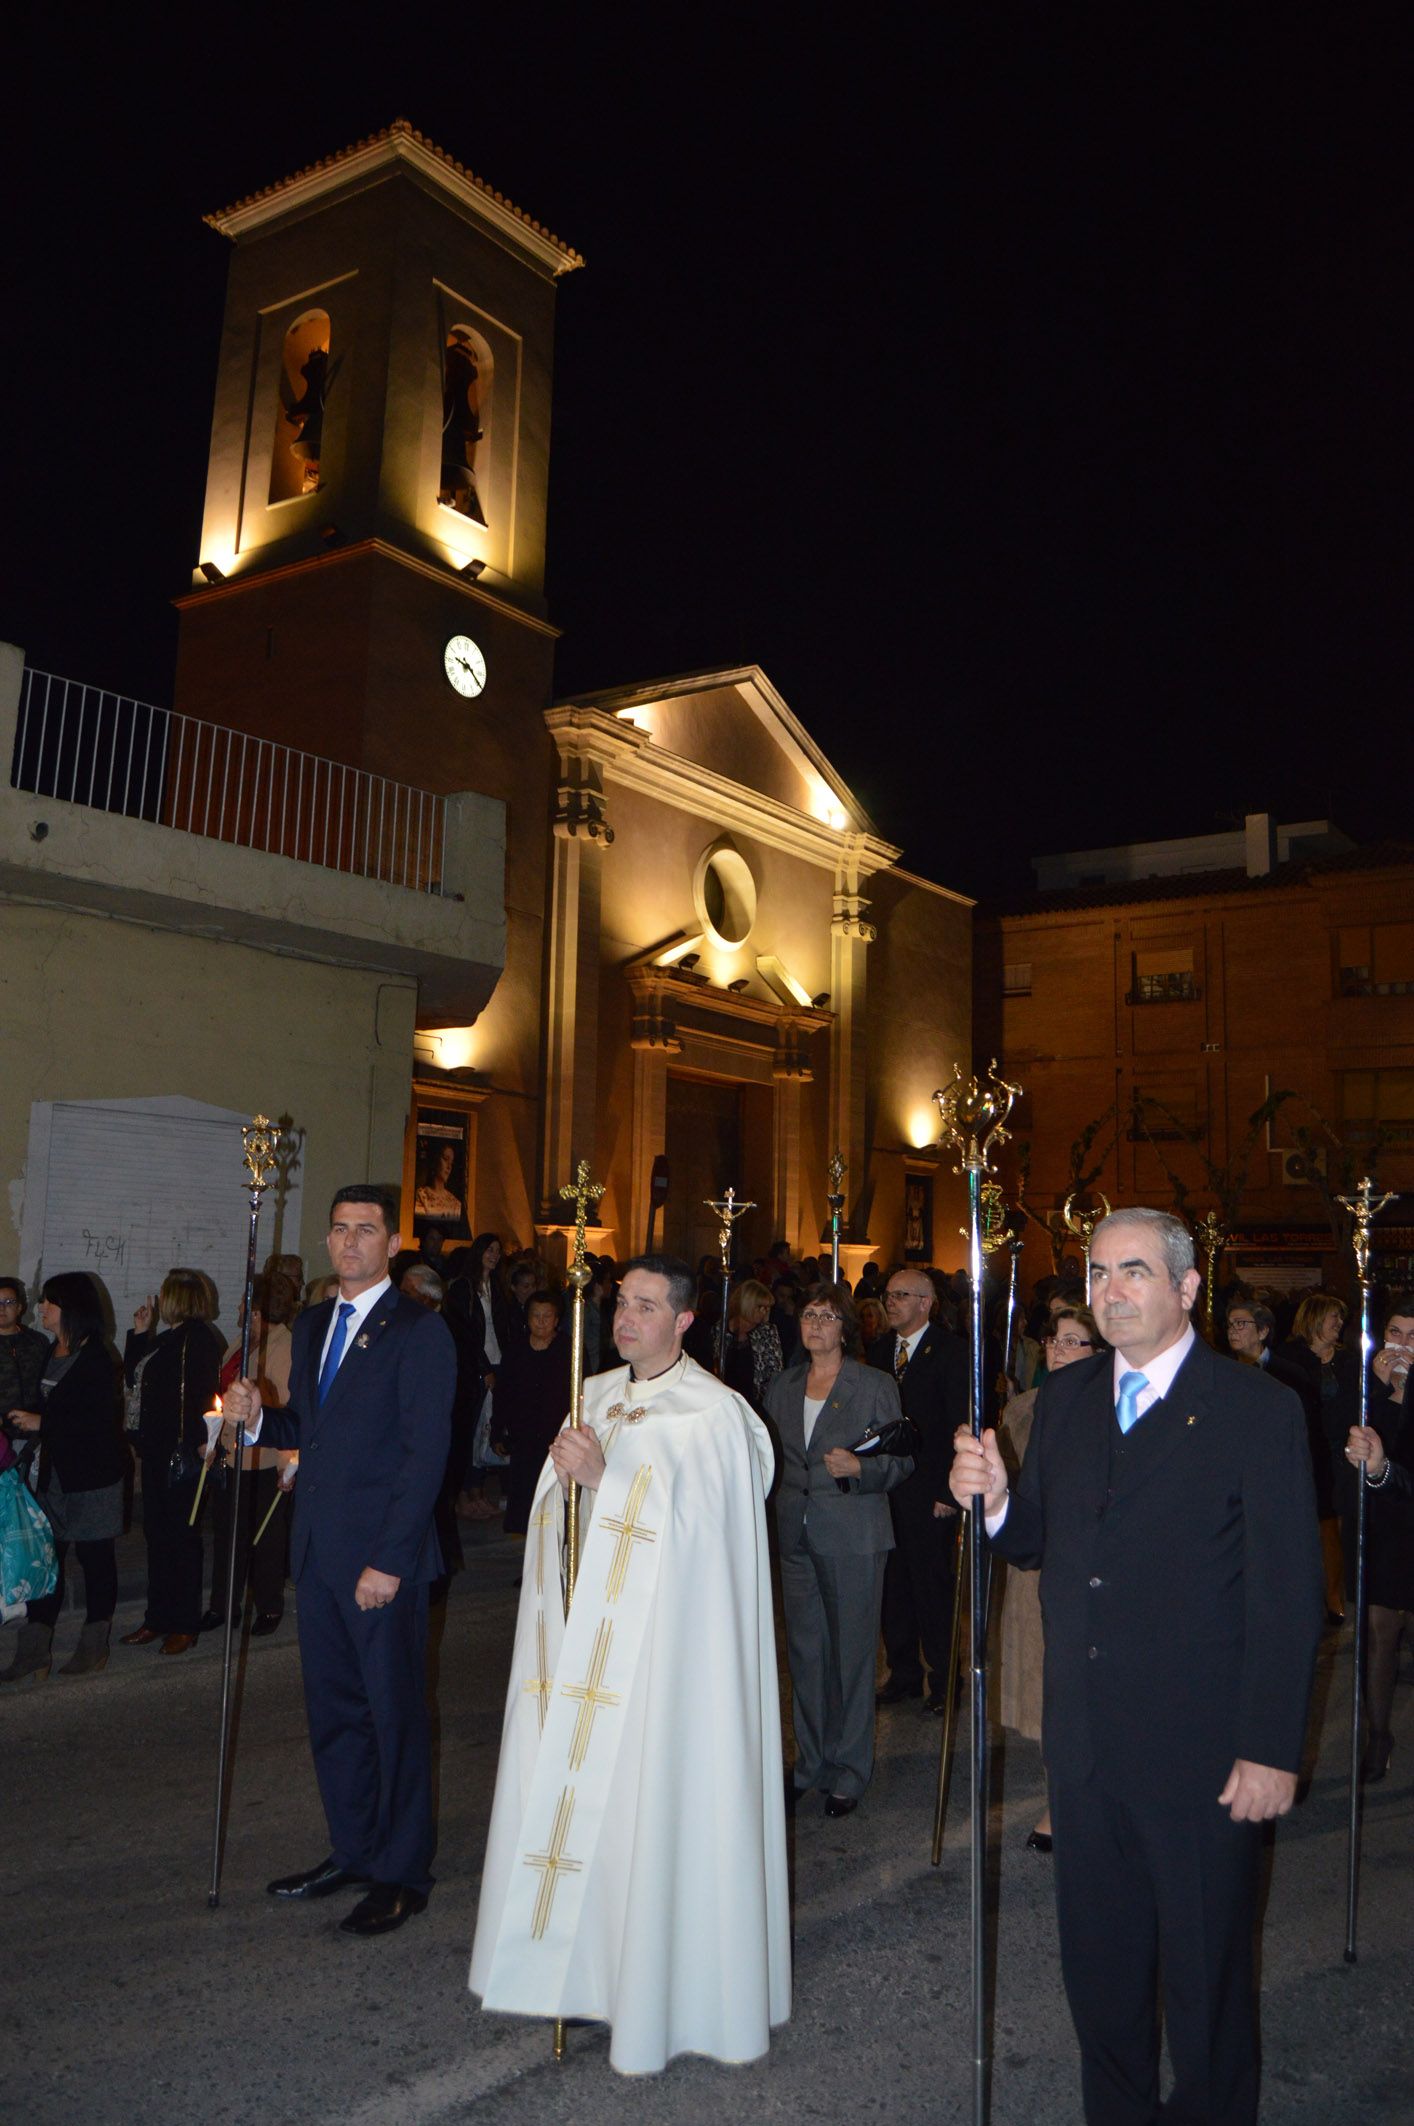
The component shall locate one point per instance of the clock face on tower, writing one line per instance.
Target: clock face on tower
(464, 665)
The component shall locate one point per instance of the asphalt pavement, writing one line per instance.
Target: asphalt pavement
(129, 2002)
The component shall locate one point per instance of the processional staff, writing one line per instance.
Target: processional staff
(728, 1210)
(1363, 1210)
(836, 1170)
(1213, 1236)
(995, 1229)
(260, 1139)
(1082, 1224)
(581, 1192)
(974, 1119)
(1016, 1241)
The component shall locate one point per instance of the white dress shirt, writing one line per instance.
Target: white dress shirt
(362, 1306)
(1159, 1373)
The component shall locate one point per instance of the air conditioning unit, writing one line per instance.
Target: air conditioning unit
(1298, 1167)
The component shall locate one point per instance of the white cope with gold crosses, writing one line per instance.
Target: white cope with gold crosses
(636, 1865)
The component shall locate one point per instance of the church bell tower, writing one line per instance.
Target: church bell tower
(370, 581)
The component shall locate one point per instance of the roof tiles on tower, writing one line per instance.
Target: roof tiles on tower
(400, 137)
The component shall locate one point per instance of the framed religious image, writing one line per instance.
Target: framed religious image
(918, 1218)
(439, 1168)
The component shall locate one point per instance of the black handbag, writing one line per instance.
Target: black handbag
(899, 1436)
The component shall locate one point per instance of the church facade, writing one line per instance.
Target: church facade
(650, 928)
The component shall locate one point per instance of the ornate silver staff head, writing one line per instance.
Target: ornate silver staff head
(975, 1116)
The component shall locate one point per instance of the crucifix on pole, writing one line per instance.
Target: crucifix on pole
(727, 1210)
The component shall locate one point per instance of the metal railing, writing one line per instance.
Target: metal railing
(87, 746)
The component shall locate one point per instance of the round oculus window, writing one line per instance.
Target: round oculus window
(726, 895)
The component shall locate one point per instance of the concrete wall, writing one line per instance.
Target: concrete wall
(101, 1009)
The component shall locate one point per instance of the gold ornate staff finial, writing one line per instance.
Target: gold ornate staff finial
(261, 1140)
(992, 1228)
(1364, 1211)
(1212, 1237)
(581, 1192)
(836, 1170)
(993, 1207)
(728, 1210)
(975, 1116)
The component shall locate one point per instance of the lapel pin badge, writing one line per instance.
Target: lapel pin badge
(361, 1343)
(1192, 1420)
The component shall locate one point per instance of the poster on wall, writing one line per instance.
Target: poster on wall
(440, 1177)
(918, 1218)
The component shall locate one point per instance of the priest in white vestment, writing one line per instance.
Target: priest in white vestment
(636, 1865)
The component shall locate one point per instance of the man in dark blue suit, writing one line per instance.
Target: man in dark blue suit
(372, 1378)
(1166, 1496)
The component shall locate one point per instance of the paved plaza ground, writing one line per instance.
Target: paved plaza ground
(129, 2003)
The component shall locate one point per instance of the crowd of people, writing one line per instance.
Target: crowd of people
(789, 1333)
(849, 1410)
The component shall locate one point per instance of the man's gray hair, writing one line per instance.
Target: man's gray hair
(1174, 1239)
(424, 1279)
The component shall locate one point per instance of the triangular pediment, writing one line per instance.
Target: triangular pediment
(734, 724)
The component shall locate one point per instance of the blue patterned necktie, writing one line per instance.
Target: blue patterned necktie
(1131, 1387)
(336, 1349)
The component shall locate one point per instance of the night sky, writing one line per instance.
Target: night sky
(1029, 396)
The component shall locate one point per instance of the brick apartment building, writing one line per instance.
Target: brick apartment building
(1168, 990)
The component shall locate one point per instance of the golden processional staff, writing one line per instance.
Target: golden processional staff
(1212, 1236)
(581, 1192)
(728, 1211)
(260, 1139)
(974, 1121)
(1363, 1209)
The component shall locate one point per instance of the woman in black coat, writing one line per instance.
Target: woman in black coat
(177, 1373)
(81, 1467)
(1324, 1374)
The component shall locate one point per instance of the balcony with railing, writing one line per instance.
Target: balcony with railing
(202, 828)
(107, 751)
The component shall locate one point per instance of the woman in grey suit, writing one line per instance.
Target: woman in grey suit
(832, 1545)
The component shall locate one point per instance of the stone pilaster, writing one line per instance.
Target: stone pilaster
(850, 938)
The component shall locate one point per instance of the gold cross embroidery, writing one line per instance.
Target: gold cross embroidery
(590, 1696)
(540, 1523)
(628, 1533)
(542, 1682)
(553, 1864)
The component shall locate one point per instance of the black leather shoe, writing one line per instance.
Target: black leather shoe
(841, 1804)
(268, 1620)
(387, 1905)
(212, 1621)
(1039, 1841)
(322, 1881)
(895, 1693)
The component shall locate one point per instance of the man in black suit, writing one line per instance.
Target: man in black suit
(930, 1365)
(372, 1377)
(1166, 1496)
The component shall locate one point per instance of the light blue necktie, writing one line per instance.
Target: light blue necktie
(1131, 1387)
(336, 1350)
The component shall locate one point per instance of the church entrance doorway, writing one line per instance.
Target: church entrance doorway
(718, 1136)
